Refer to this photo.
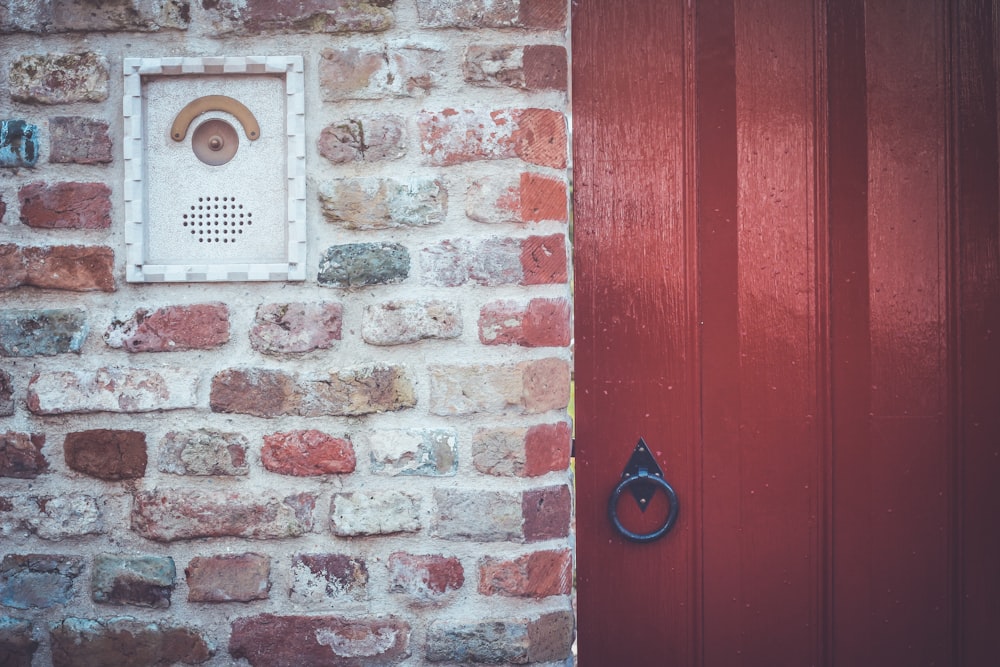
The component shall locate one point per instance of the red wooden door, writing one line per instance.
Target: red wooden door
(787, 242)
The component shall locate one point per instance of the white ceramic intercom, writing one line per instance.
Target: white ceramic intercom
(214, 169)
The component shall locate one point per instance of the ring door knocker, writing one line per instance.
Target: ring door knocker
(643, 476)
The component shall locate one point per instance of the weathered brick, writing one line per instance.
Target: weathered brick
(171, 329)
(529, 387)
(361, 264)
(70, 205)
(535, 260)
(142, 581)
(112, 389)
(107, 454)
(316, 641)
(355, 74)
(544, 638)
(19, 146)
(316, 16)
(374, 513)
(83, 642)
(382, 203)
(292, 328)
(364, 138)
(203, 452)
(55, 16)
(21, 455)
(307, 452)
(537, 136)
(429, 452)
(532, 67)
(429, 579)
(528, 197)
(17, 642)
(37, 580)
(541, 323)
(357, 391)
(486, 516)
(29, 333)
(6, 394)
(536, 575)
(170, 515)
(59, 78)
(74, 268)
(546, 513)
(532, 14)
(51, 517)
(522, 452)
(79, 140)
(229, 578)
(401, 322)
(321, 578)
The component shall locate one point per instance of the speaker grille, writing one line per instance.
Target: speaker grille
(215, 219)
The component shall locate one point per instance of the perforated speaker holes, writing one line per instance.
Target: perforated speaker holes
(217, 220)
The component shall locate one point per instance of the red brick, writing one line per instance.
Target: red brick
(228, 578)
(21, 455)
(537, 136)
(355, 74)
(543, 14)
(70, 267)
(255, 391)
(17, 644)
(13, 267)
(172, 329)
(542, 323)
(314, 641)
(542, 198)
(547, 448)
(107, 454)
(65, 205)
(80, 642)
(78, 140)
(306, 16)
(545, 66)
(305, 453)
(320, 577)
(296, 327)
(59, 78)
(546, 513)
(425, 579)
(543, 260)
(529, 197)
(535, 575)
(546, 385)
(6, 394)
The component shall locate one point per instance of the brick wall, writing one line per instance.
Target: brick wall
(365, 468)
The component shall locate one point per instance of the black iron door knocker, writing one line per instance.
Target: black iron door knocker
(642, 476)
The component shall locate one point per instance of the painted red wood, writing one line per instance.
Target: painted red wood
(811, 192)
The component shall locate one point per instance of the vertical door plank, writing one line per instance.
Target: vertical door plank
(634, 345)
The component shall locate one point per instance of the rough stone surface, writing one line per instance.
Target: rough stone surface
(203, 452)
(319, 641)
(6, 394)
(530, 387)
(17, 642)
(307, 452)
(50, 517)
(364, 138)
(83, 642)
(70, 267)
(229, 578)
(484, 516)
(29, 333)
(356, 74)
(350, 392)
(535, 575)
(59, 78)
(284, 328)
(537, 136)
(374, 513)
(400, 322)
(69, 205)
(528, 197)
(309, 16)
(107, 454)
(488, 642)
(171, 329)
(540, 323)
(361, 264)
(322, 578)
(383, 203)
(21, 455)
(425, 579)
(425, 452)
(547, 513)
(79, 140)
(531, 14)
(58, 16)
(141, 581)
(112, 390)
(37, 581)
(170, 515)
